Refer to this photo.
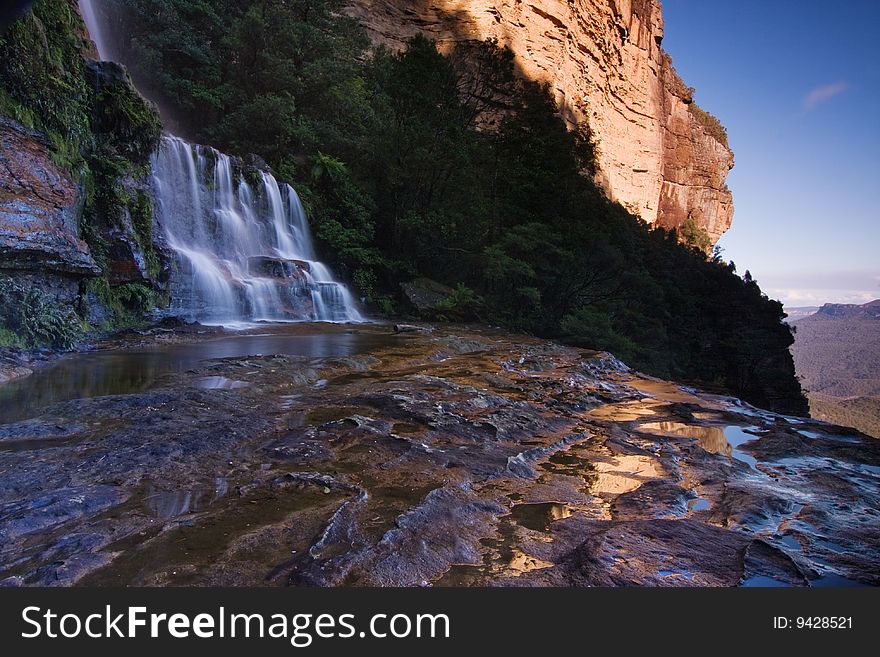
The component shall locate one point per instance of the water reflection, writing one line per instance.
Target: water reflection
(131, 371)
(220, 383)
(169, 504)
(712, 439)
(538, 517)
(717, 440)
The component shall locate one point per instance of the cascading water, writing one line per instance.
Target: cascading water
(89, 13)
(243, 253)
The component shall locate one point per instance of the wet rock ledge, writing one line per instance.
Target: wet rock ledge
(457, 456)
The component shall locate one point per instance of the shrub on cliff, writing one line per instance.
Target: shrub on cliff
(710, 123)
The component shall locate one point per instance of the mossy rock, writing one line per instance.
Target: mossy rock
(41, 72)
(124, 123)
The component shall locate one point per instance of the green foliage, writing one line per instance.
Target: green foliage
(387, 306)
(710, 123)
(695, 236)
(100, 130)
(41, 72)
(10, 340)
(124, 124)
(130, 303)
(12, 108)
(450, 167)
(31, 319)
(141, 210)
(462, 305)
(590, 326)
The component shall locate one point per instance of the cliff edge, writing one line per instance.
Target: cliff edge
(658, 153)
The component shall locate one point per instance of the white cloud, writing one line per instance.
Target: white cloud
(823, 94)
(794, 298)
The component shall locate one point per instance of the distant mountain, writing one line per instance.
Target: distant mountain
(794, 314)
(838, 311)
(837, 356)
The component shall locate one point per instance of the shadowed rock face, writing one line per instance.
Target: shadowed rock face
(604, 61)
(39, 208)
(459, 456)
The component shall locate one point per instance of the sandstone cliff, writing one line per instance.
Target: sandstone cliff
(658, 154)
(39, 212)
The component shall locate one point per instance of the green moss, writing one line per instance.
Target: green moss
(15, 110)
(41, 72)
(141, 209)
(130, 303)
(124, 123)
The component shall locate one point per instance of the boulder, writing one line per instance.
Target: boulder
(277, 267)
(425, 294)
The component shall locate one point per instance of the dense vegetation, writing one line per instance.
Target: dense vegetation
(450, 167)
(29, 318)
(101, 131)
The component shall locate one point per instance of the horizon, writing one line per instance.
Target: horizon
(796, 103)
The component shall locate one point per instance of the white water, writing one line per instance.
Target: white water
(89, 12)
(243, 253)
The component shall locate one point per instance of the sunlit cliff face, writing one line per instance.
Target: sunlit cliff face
(604, 61)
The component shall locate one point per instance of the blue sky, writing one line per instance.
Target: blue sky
(797, 84)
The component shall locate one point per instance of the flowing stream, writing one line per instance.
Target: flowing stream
(244, 250)
(243, 247)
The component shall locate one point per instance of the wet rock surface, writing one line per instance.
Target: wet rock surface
(459, 456)
(39, 209)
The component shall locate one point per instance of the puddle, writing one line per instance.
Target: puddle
(570, 464)
(737, 436)
(717, 440)
(136, 370)
(762, 581)
(220, 383)
(34, 444)
(790, 542)
(816, 435)
(667, 392)
(832, 580)
(624, 473)
(676, 574)
(326, 414)
(628, 411)
(699, 505)
(167, 505)
(538, 517)
(171, 504)
(502, 555)
(197, 547)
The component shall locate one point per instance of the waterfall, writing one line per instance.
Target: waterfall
(244, 252)
(89, 13)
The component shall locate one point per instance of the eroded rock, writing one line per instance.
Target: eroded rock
(393, 467)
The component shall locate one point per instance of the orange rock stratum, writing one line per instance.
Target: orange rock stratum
(603, 59)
